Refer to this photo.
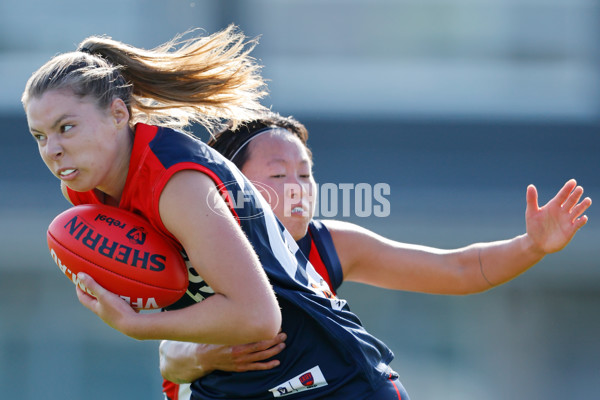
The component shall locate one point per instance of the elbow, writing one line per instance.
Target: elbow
(164, 364)
(265, 325)
(464, 286)
(162, 354)
(469, 281)
(460, 280)
(262, 323)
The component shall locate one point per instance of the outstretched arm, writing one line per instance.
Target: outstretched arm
(369, 258)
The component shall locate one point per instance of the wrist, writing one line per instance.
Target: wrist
(201, 366)
(529, 246)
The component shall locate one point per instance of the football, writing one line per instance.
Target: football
(121, 251)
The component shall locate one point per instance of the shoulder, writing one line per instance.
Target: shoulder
(162, 152)
(341, 228)
(174, 148)
(340, 231)
(354, 244)
(169, 145)
(347, 239)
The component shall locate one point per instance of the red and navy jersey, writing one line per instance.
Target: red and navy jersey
(317, 246)
(327, 347)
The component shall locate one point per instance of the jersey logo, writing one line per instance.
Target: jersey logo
(311, 379)
(307, 379)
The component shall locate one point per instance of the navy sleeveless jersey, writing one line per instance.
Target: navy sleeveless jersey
(317, 245)
(327, 347)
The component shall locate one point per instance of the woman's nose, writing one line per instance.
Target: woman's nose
(294, 188)
(54, 149)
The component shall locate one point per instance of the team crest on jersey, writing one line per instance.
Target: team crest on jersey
(308, 380)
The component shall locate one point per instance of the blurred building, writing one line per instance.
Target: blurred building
(456, 105)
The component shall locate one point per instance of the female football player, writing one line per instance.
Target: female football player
(107, 120)
(272, 152)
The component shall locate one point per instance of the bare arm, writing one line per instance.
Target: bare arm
(369, 258)
(242, 310)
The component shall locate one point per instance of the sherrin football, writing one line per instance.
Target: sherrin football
(121, 251)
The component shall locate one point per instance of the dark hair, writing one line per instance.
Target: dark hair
(233, 143)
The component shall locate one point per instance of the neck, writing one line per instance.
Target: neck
(111, 194)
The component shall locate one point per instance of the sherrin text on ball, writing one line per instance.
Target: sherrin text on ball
(122, 251)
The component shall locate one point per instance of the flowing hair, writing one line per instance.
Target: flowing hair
(202, 79)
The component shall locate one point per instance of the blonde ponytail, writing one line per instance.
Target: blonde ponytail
(206, 80)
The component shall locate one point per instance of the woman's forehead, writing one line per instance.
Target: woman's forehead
(277, 143)
(277, 137)
(57, 102)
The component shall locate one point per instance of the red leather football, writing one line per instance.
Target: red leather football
(121, 251)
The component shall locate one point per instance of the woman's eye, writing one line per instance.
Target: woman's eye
(66, 128)
(278, 176)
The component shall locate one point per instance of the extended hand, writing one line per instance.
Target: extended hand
(552, 226)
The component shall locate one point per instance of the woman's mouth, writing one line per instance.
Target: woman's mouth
(66, 173)
(297, 211)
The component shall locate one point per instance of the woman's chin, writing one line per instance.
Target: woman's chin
(297, 229)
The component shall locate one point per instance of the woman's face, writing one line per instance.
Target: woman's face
(279, 165)
(82, 145)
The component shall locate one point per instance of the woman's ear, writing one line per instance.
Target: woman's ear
(119, 112)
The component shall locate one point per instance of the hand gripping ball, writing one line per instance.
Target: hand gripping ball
(121, 251)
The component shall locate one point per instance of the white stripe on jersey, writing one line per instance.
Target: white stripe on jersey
(286, 253)
(185, 393)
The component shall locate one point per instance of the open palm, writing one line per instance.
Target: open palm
(552, 226)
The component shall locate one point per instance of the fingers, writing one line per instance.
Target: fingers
(86, 282)
(567, 198)
(85, 290)
(265, 354)
(251, 357)
(260, 366)
(565, 191)
(89, 291)
(258, 346)
(579, 222)
(573, 198)
(571, 203)
(86, 299)
(578, 210)
(532, 199)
